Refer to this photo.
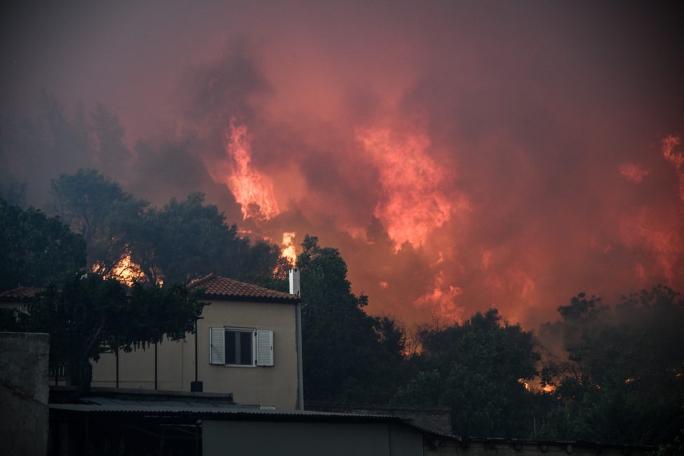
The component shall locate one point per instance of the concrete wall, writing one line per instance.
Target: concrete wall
(24, 393)
(222, 438)
(270, 386)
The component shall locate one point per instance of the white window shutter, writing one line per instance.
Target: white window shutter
(264, 347)
(217, 346)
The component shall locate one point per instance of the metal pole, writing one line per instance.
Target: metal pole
(195, 349)
(116, 355)
(155, 366)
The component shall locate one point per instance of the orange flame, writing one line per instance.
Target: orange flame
(125, 270)
(288, 251)
(535, 386)
(644, 231)
(252, 190)
(442, 299)
(633, 172)
(412, 203)
(670, 143)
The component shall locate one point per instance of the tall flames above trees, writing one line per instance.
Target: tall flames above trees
(252, 190)
(412, 203)
(415, 198)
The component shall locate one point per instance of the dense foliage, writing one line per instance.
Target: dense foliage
(86, 315)
(623, 378)
(174, 243)
(349, 356)
(476, 369)
(36, 249)
(100, 211)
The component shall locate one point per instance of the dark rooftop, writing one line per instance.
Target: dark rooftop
(19, 294)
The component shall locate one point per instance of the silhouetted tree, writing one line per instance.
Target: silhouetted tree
(181, 240)
(189, 238)
(100, 211)
(477, 369)
(36, 249)
(86, 314)
(624, 377)
(350, 357)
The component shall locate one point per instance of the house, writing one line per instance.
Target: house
(247, 342)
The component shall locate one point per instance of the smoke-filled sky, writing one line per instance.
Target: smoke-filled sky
(461, 155)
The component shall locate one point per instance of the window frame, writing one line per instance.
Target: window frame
(240, 329)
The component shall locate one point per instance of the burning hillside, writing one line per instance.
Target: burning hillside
(456, 167)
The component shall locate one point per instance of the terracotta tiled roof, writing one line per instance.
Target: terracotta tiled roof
(215, 286)
(20, 294)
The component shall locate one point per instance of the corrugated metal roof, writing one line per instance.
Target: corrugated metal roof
(179, 402)
(200, 408)
(169, 407)
(219, 287)
(203, 410)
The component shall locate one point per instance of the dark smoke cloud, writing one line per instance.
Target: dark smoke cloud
(533, 112)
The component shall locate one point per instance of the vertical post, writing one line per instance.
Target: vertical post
(195, 349)
(295, 289)
(155, 366)
(198, 438)
(116, 356)
(300, 366)
(196, 386)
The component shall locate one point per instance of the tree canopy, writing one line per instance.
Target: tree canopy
(173, 243)
(477, 369)
(36, 249)
(349, 356)
(623, 379)
(86, 315)
(100, 211)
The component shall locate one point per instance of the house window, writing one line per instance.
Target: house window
(240, 347)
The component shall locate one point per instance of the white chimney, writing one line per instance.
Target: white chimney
(294, 281)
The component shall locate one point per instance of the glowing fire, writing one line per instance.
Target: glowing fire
(633, 172)
(252, 190)
(442, 299)
(412, 203)
(288, 247)
(535, 386)
(125, 270)
(641, 230)
(548, 389)
(670, 143)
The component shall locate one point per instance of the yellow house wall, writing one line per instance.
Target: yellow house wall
(268, 386)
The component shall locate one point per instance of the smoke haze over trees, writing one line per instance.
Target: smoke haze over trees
(549, 142)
